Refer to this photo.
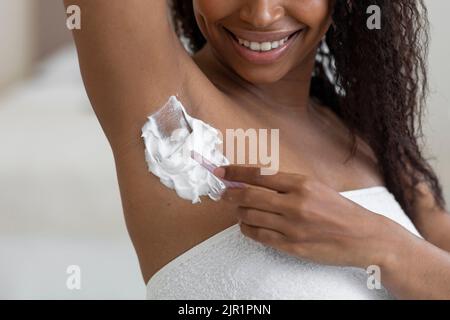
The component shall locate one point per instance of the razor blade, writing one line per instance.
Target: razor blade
(208, 165)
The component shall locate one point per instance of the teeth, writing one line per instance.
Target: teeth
(266, 46)
(262, 46)
(255, 46)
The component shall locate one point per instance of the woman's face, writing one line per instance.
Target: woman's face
(263, 40)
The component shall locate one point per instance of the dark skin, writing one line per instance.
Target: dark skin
(301, 216)
(132, 62)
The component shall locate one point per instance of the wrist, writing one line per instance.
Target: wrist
(392, 245)
(396, 253)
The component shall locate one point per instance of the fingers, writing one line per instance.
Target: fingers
(263, 219)
(264, 200)
(268, 237)
(281, 181)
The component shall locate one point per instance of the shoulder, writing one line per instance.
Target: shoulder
(426, 204)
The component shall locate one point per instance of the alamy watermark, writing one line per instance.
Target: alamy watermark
(374, 279)
(73, 281)
(374, 21)
(258, 145)
(235, 146)
(73, 21)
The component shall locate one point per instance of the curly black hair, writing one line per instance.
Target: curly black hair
(378, 84)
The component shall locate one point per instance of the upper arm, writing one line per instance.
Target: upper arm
(131, 62)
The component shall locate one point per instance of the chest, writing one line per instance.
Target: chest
(284, 141)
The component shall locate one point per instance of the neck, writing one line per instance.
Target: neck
(290, 94)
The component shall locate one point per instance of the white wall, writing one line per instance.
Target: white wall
(29, 30)
(59, 196)
(437, 125)
(17, 42)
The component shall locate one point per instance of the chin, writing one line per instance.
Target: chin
(260, 77)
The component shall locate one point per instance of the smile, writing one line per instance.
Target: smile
(264, 51)
(262, 46)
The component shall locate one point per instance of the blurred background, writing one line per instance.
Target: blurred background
(59, 199)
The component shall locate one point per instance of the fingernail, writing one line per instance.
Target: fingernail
(219, 172)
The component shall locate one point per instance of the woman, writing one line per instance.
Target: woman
(314, 70)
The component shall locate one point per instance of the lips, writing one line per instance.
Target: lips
(262, 56)
(259, 36)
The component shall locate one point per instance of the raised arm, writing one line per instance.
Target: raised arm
(131, 62)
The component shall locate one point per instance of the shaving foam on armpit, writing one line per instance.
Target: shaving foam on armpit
(171, 135)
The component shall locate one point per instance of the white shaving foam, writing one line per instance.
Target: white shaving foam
(169, 157)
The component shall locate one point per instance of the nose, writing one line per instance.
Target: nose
(261, 13)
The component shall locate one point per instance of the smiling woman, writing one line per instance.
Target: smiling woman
(356, 68)
(354, 189)
(294, 31)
